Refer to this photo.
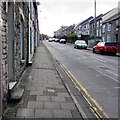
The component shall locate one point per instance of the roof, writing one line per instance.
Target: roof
(110, 14)
(97, 18)
(84, 21)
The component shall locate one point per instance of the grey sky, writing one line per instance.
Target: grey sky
(55, 13)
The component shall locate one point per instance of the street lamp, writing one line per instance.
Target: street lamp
(95, 22)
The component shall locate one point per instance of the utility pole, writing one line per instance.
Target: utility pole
(0, 67)
(95, 25)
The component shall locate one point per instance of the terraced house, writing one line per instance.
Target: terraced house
(15, 45)
(110, 25)
(83, 28)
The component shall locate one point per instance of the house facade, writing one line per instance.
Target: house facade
(96, 29)
(59, 33)
(83, 28)
(33, 30)
(68, 30)
(110, 26)
(14, 45)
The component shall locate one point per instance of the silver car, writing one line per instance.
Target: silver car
(80, 44)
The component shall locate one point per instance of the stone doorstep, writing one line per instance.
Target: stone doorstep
(15, 92)
(12, 85)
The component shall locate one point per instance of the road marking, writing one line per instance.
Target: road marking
(76, 102)
(117, 87)
(108, 76)
(112, 73)
(98, 59)
(73, 79)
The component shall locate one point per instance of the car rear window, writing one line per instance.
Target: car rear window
(110, 44)
(82, 42)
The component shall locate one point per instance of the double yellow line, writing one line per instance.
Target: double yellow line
(79, 87)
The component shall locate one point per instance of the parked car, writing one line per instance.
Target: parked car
(53, 39)
(57, 40)
(80, 44)
(50, 40)
(105, 47)
(63, 41)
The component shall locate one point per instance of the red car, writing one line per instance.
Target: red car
(105, 47)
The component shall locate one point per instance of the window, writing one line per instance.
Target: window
(100, 33)
(110, 44)
(117, 25)
(103, 28)
(97, 23)
(108, 38)
(108, 27)
(97, 32)
(100, 22)
(103, 38)
(102, 44)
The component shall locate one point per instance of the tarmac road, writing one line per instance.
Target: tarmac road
(96, 74)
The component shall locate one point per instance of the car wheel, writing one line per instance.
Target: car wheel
(101, 51)
(114, 54)
(93, 50)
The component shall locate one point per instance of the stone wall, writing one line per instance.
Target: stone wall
(19, 66)
(4, 48)
(21, 13)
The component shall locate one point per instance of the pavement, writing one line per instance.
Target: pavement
(45, 94)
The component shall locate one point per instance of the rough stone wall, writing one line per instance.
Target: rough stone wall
(4, 47)
(19, 66)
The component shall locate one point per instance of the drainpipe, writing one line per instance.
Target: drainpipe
(0, 68)
(119, 59)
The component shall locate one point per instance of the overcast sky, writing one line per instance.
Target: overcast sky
(55, 13)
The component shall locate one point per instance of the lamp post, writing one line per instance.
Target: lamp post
(0, 69)
(95, 22)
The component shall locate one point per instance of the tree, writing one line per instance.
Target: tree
(73, 37)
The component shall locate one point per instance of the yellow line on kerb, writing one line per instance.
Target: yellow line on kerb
(73, 79)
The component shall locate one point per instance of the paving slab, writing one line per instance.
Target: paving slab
(70, 106)
(58, 99)
(35, 104)
(24, 112)
(63, 113)
(51, 105)
(45, 93)
(43, 113)
(44, 98)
